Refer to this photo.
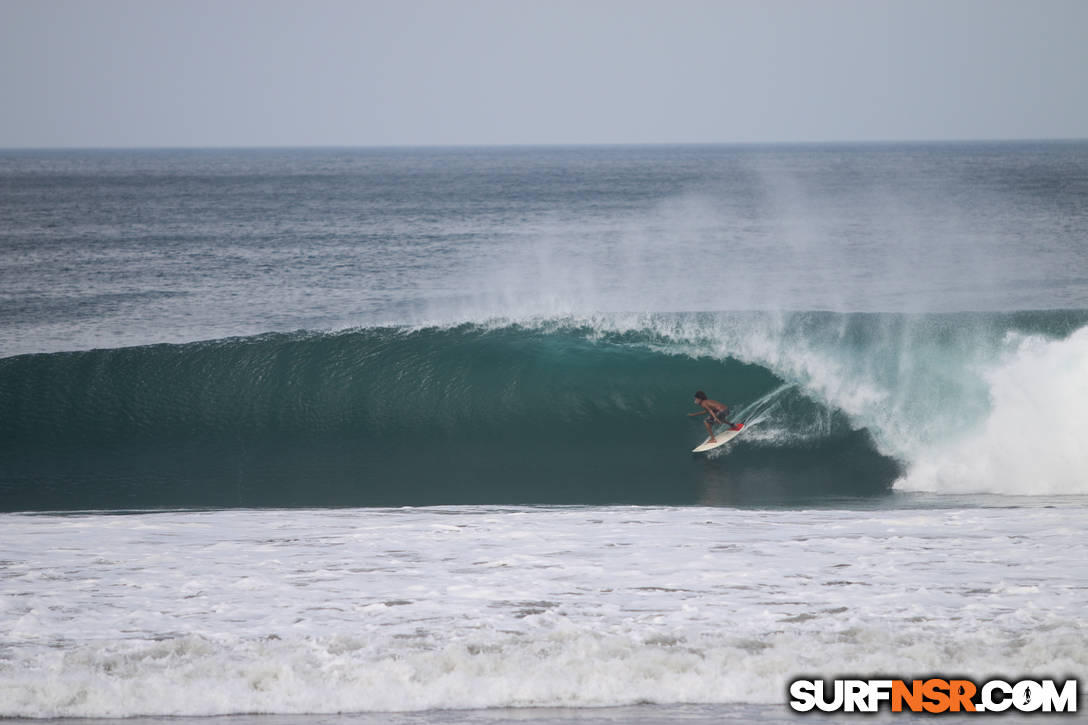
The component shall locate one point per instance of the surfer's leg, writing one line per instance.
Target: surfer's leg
(710, 430)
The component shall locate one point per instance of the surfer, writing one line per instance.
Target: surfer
(715, 413)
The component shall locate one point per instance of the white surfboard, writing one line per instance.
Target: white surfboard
(721, 439)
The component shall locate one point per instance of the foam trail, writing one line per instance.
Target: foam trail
(761, 409)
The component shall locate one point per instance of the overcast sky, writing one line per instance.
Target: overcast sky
(122, 73)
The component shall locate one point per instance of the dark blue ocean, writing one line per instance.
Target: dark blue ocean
(371, 430)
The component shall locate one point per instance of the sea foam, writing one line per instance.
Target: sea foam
(1033, 440)
(321, 611)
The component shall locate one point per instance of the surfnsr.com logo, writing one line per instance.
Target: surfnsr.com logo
(933, 695)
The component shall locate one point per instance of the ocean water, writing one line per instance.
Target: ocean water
(399, 435)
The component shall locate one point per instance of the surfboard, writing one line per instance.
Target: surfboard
(722, 438)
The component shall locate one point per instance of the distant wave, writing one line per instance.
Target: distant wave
(566, 411)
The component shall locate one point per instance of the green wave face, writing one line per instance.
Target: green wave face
(551, 412)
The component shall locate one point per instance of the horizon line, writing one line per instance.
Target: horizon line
(544, 145)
